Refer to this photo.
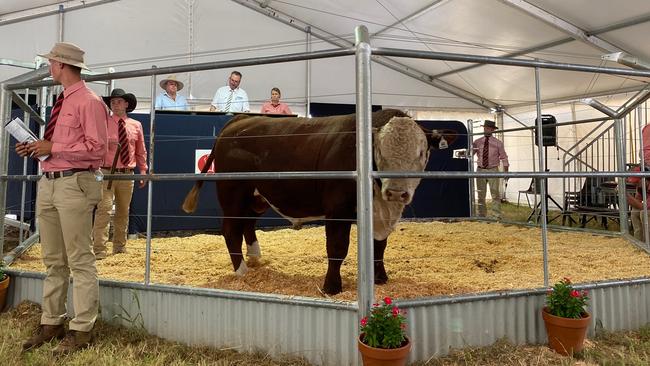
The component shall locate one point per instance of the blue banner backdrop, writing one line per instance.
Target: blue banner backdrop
(178, 136)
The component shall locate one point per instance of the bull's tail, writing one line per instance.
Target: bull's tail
(192, 198)
(189, 205)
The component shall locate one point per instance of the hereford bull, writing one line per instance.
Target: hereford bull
(264, 144)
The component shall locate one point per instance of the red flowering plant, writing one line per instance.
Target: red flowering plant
(566, 302)
(385, 327)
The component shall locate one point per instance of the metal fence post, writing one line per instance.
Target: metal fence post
(365, 270)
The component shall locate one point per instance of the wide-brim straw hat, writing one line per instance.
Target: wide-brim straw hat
(120, 93)
(163, 82)
(67, 53)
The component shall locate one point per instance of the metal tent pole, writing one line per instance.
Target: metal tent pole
(5, 114)
(470, 167)
(365, 270)
(147, 271)
(543, 182)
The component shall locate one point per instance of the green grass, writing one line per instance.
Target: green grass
(129, 346)
(117, 346)
(616, 348)
(519, 214)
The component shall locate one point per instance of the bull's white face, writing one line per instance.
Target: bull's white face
(400, 145)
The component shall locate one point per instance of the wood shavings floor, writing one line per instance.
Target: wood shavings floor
(422, 259)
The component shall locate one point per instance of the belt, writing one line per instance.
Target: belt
(119, 170)
(494, 167)
(63, 173)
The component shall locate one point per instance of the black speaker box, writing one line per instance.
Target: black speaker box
(549, 133)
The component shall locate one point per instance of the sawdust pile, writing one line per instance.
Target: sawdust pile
(422, 259)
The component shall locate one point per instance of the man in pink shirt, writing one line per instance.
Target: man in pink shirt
(274, 106)
(636, 214)
(126, 132)
(75, 139)
(489, 153)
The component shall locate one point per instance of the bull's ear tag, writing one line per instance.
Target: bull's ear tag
(443, 144)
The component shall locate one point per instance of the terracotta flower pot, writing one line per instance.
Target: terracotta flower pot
(4, 286)
(372, 356)
(566, 336)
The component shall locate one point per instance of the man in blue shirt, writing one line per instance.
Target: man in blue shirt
(170, 99)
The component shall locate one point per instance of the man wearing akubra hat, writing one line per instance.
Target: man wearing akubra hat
(128, 133)
(169, 99)
(75, 140)
(489, 153)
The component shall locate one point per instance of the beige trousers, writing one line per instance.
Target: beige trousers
(481, 191)
(64, 208)
(120, 193)
(637, 223)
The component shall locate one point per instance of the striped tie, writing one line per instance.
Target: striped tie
(229, 101)
(486, 152)
(124, 142)
(54, 115)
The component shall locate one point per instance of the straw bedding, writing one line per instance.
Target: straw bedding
(422, 259)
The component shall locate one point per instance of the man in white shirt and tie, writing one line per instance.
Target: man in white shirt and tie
(230, 98)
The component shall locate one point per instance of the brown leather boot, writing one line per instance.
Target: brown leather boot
(44, 333)
(74, 340)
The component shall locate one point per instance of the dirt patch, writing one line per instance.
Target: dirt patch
(488, 267)
(422, 259)
(11, 238)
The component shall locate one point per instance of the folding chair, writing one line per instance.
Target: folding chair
(532, 189)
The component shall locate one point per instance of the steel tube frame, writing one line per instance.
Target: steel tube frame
(583, 95)
(543, 182)
(334, 174)
(308, 73)
(445, 56)
(21, 248)
(152, 130)
(26, 107)
(619, 136)
(470, 161)
(644, 194)
(5, 114)
(23, 185)
(292, 57)
(350, 175)
(365, 242)
(532, 128)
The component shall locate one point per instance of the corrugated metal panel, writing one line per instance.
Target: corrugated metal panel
(437, 328)
(324, 332)
(440, 324)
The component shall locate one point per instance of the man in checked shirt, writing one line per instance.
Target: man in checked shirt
(128, 133)
(75, 139)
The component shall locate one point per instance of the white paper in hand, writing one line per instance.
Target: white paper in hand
(21, 133)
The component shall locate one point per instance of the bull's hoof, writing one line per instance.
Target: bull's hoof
(380, 273)
(381, 278)
(243, 268)
(332, 289)
(254, 250)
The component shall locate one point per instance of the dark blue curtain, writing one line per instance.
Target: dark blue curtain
(176, 142)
